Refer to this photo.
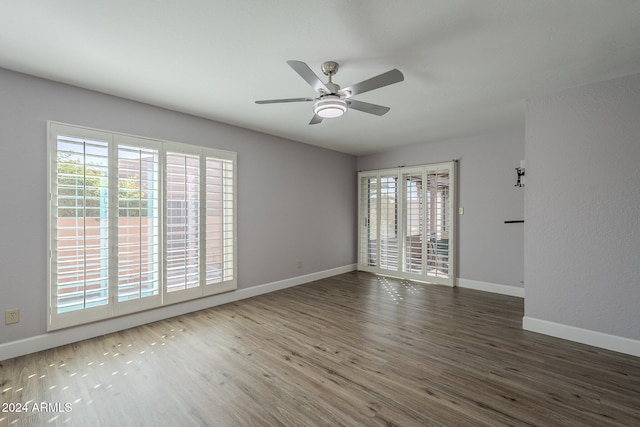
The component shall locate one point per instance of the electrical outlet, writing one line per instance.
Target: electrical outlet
(12, 316)
(299, 264)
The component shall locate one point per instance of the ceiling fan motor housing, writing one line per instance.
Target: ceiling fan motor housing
(329, 68)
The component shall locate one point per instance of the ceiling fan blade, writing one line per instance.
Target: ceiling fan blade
(382, 80)
(366, 107)
(276, 101)
(315, 119)
(309, 76)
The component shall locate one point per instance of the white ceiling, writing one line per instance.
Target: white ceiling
(468, 64)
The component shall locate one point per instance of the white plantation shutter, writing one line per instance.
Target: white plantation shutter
(388, 233)
(80, 225)
(439, 205)
(368, 239)
(406, 222)
(220, 230)
(138, 223)
(135, 223)
(183, 221)
(413, 213)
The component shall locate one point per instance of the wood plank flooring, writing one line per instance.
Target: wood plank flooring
(351, 350)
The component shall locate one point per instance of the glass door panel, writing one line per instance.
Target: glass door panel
(438, 220)
(368, 241)
(389, 223)
(406, 222)
(413, 225)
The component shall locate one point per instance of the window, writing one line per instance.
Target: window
(135, 223)
(406, 222)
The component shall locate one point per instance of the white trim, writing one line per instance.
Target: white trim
(491, 287)
(79, 333)
(584, 336)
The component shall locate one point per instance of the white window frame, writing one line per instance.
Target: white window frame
(113, 307)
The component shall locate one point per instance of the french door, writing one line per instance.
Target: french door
(406, 222)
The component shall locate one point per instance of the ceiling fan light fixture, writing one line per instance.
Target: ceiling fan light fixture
(330, 106)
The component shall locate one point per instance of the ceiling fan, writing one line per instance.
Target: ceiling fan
(333, 101)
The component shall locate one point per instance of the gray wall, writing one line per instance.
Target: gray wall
(296, 202)
(582, 234)
(488, 249)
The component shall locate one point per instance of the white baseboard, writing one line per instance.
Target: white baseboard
(490, 287)
(79, 333)
(584, 336)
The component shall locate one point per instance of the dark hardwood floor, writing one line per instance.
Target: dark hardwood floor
(354, 349)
